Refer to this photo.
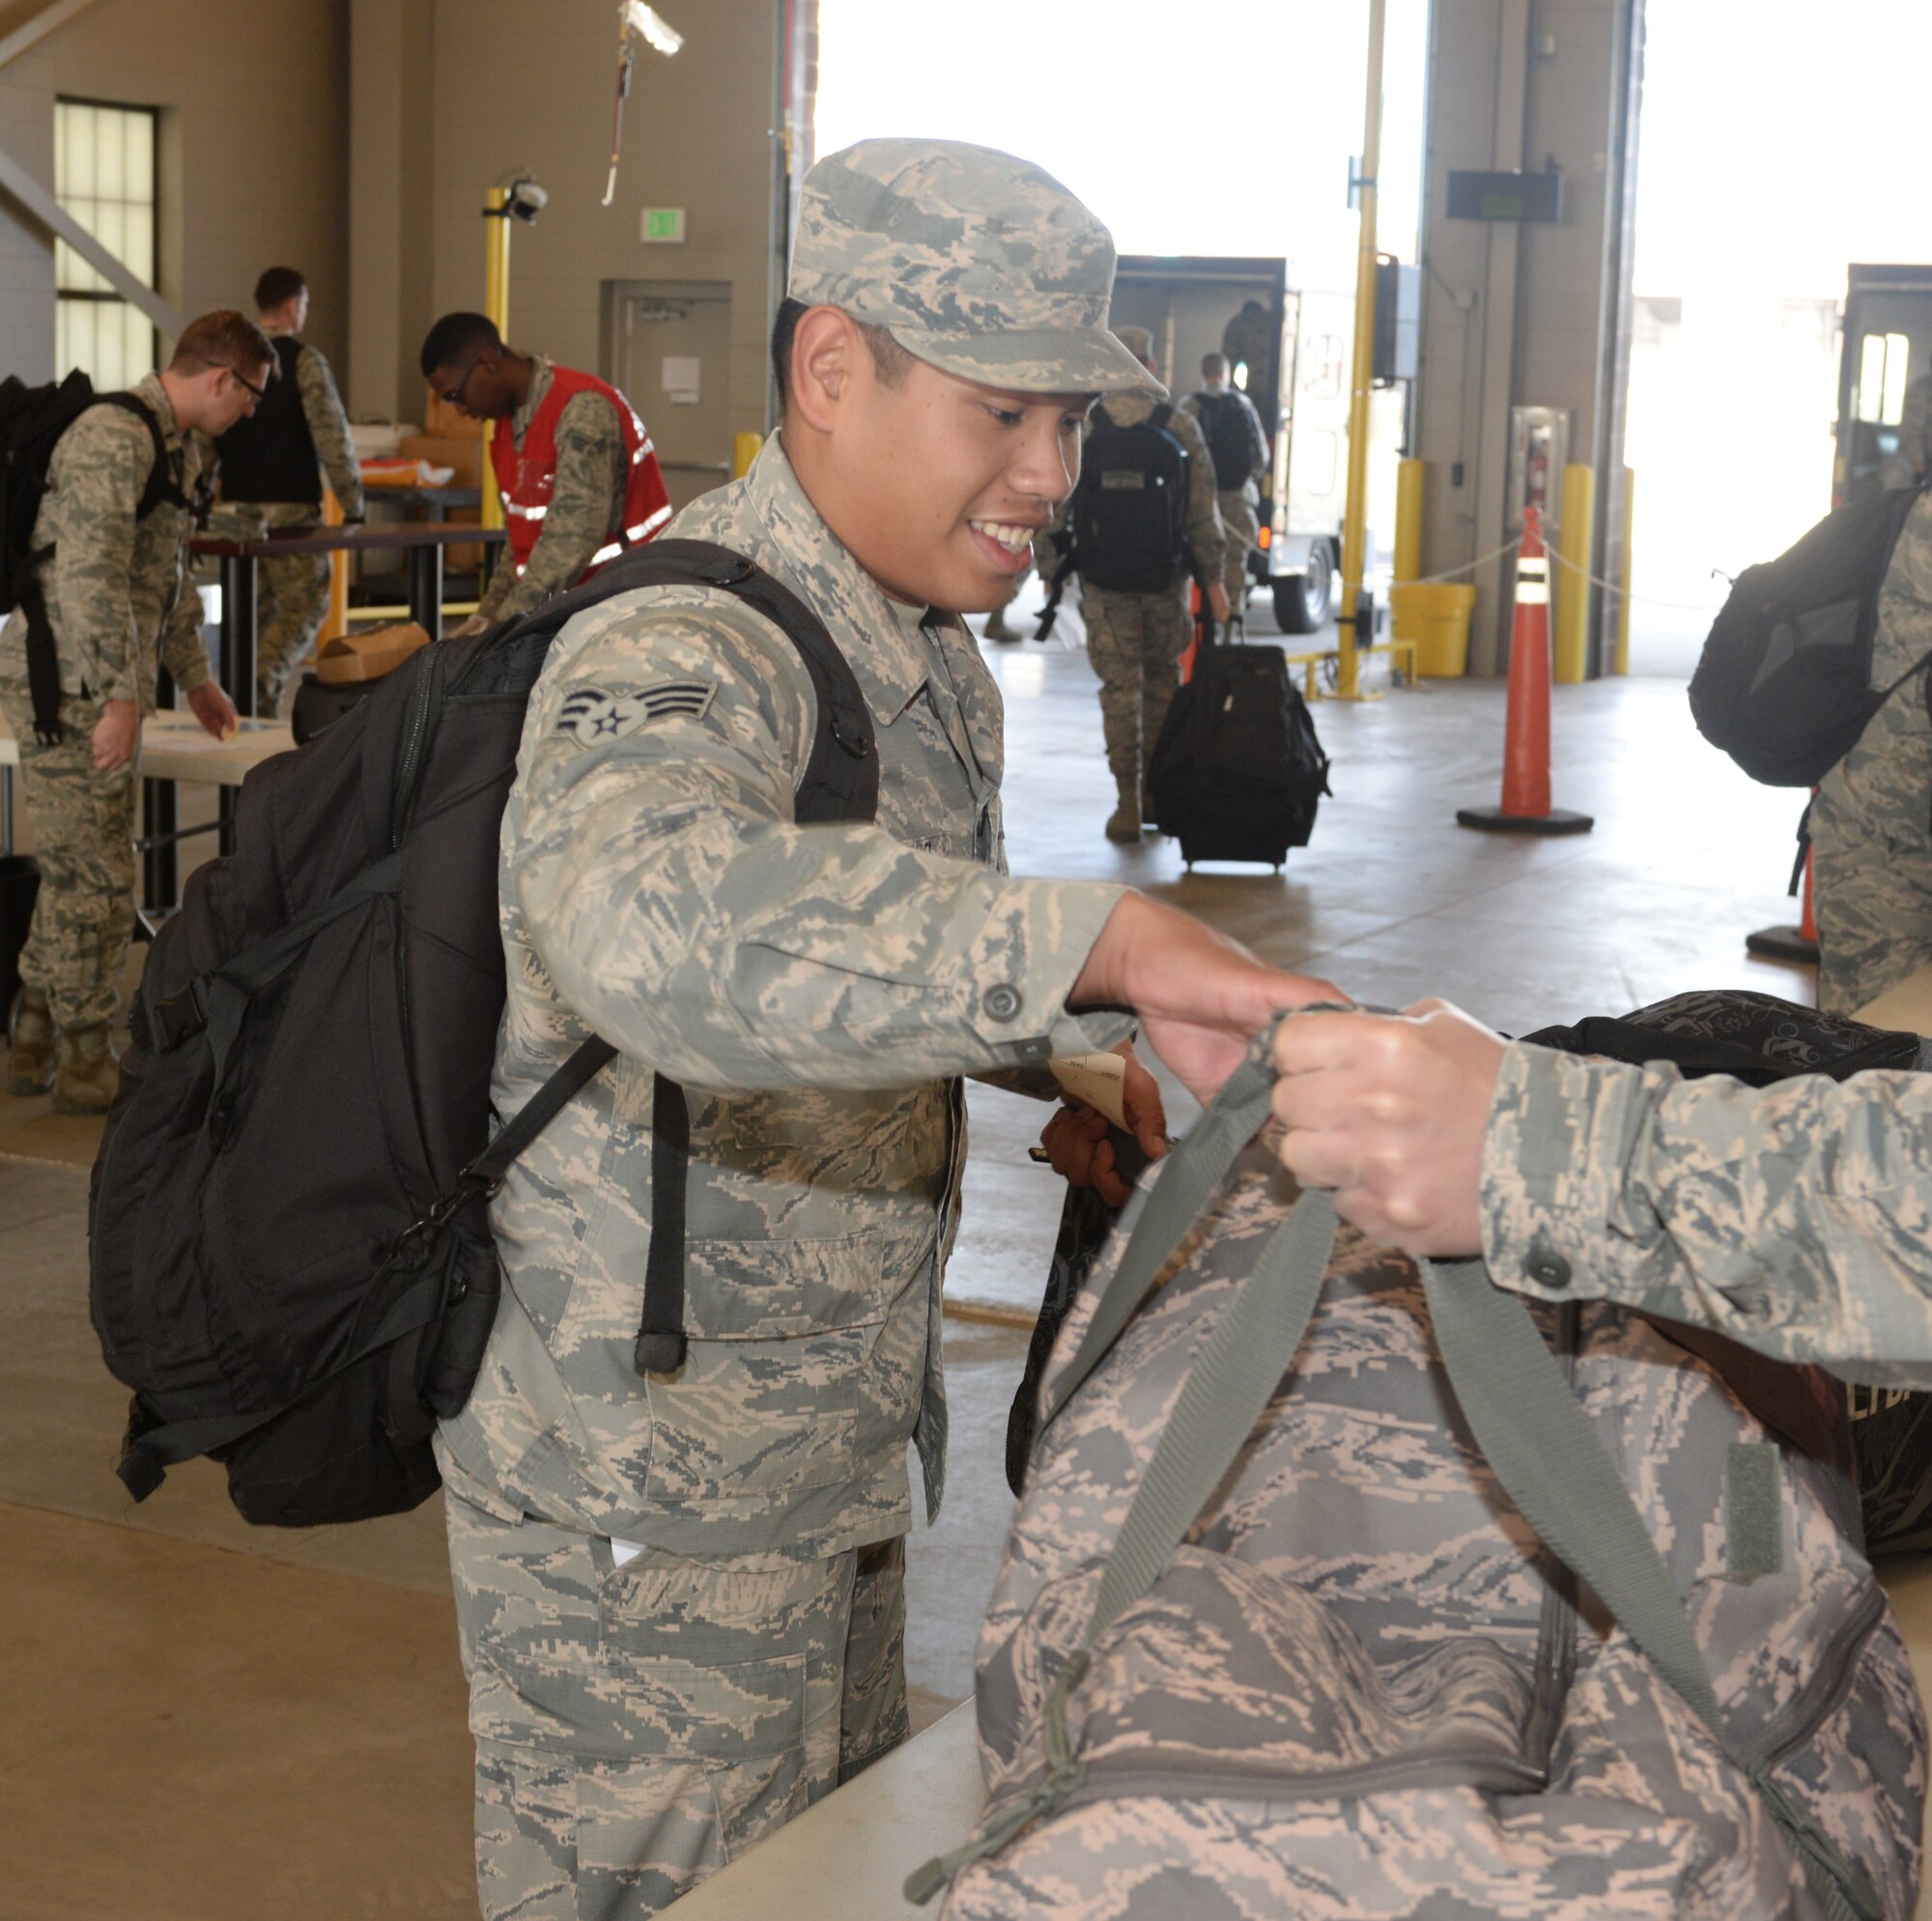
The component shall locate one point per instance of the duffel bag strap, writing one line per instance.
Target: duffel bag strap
(1534, 1433)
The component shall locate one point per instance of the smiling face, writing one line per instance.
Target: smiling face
(936, 485)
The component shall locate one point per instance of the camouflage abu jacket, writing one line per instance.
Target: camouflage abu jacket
(117, 591)
(1797, 1218)
(817, 990)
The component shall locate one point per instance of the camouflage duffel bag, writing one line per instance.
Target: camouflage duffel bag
(1343, 1587)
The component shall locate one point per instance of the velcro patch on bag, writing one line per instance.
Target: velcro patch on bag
(591, 715)
(1753, 1510)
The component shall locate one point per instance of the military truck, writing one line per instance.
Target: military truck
(1888, 345)
(1289, 350)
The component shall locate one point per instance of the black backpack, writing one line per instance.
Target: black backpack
(31, 420)
(1879, 1439)
(1783, 685)
(1238, 770)
(1230, 439)
(291, 1260)
(1129, 518)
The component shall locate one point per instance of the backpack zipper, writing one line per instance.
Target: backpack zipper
(428, 685)
(1825, 1693)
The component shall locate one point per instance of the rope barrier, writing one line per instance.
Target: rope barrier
(1610, 587)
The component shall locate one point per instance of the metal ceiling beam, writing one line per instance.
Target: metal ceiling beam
(50, 19)
(17, 181)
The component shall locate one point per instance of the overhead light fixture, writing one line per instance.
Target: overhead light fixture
(633, 19)
(657, 32)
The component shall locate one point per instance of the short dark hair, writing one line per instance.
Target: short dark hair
(278, 286)
(223, 338)
(1212, 364)
(455, 337)
(892, 360)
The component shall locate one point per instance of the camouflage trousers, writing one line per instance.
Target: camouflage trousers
(1135, 642)
(291, 598)
(83, 827)
(639, 1727)
(1245, 532)
(1871, 832)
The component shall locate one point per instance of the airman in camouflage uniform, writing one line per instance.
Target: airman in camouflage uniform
(1239, 503)
(681, 1594)
(1135, 641)
(120, 605)
(299, 429)
(1871, 823)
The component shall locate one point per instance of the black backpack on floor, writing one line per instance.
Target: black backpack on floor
(1130, 514)
(291, 1260)
(1783, 685)
(1238, 771)
(32, 421)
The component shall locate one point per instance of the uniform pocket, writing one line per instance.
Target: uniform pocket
(775, 1289)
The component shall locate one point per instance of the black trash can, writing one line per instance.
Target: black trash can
(20, 881)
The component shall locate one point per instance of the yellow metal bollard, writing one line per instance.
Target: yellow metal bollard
(1409, 479)
(335, 623)
(1572, 581)
(1620, 662)
(744, 451)
(496, 306)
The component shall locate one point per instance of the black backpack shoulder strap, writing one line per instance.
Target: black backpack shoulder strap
(1160, 416)
(841, 782)
(164, 481)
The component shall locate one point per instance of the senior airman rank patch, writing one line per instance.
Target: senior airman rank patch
(591, 715)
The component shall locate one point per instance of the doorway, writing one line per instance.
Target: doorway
(666, 347)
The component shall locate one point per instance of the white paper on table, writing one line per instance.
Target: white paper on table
(1098, 1079)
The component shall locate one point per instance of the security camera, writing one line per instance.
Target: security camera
(526, 200)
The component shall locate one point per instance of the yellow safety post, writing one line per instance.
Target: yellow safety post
(1409, 479)
(1361, 374)
(335, 623)
(497, 306)
(1573, 582)
(1620, 662)
(744, 451)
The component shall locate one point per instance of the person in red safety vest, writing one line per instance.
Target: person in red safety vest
(575, 466)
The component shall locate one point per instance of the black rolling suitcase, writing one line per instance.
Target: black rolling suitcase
(1237, 772)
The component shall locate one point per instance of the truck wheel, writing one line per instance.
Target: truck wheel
(1302, 600)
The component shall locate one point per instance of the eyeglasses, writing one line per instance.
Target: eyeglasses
(260, 392)
(454, 397)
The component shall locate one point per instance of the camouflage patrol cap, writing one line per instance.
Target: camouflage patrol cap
(1137, 340)
(978, 264)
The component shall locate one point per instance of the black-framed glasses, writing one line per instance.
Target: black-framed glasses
(454, 397)
(260, 392)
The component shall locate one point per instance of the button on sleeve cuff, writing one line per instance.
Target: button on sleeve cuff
(1553, 1159)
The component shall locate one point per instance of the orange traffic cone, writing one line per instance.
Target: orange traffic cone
(1525, 808)
(1798, 944)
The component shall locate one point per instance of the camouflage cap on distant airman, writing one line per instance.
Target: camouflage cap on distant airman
(978, 264)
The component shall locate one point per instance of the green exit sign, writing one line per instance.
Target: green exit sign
(663, 223)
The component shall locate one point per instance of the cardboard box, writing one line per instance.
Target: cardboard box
(445, 423)
(368, 655)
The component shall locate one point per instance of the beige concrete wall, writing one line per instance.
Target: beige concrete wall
(515, 86)
(254, 142)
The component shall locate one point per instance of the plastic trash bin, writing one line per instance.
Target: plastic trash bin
(1436, 617)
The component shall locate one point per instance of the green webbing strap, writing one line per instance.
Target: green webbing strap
(1535, 1435)
(1191, 1176)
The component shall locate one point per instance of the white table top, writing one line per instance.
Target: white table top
(848, 1858)
(175, 748)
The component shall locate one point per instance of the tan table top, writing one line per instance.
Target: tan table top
(175, 748)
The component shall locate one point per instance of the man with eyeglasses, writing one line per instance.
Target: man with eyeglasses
(108, 603)
(575, 466)
(273, 466)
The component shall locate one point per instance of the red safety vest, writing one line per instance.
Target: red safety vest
(527, 477)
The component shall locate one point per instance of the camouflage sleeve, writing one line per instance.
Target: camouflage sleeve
(99, 469)
(328, 429)
(651, 853)
(1206, 537)
(1795, 1219)
(583, 505)
(183, 651)
(1258, 443)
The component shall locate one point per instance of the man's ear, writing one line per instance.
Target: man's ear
(825, 353)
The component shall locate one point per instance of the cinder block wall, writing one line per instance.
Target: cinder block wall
(253, 151)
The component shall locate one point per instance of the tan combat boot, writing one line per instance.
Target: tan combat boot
(86, 1075)
(1123, 824)
(30, 1033)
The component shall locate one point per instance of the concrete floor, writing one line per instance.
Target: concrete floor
(205, 1721)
